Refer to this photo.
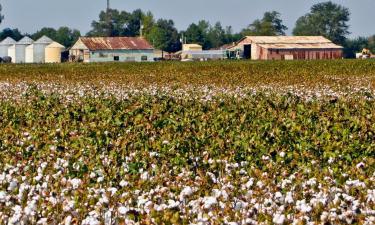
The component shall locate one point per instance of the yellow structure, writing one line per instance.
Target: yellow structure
(191, 47)
(53, 53)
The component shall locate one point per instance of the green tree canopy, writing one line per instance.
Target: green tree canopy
(13, 33)
(122, 23)
(270, 25)
(163, 35)
(1, 15)
(63, 35)
(327, 19)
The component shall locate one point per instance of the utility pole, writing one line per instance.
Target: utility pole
(109, 25)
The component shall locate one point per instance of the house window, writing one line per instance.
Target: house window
(102, 55)
(144, 57)
(116, 58)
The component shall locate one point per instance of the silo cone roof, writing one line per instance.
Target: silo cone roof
(44, 40)
(55, 45)
(25, 41)
(8, 41)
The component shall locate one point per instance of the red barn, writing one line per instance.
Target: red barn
(287, 48)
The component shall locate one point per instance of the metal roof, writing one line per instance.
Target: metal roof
(290, 42)
(8, 41)
(25, 41)
(44, 40)
(116, 43)
(55, 45)
(301, 46)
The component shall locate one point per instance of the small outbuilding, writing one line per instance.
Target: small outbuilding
(35, 53)
(5, 44)
(112, 49)
(53, 52)
(18, 51)
(287, 48)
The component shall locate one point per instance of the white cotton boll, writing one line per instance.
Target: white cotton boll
(42, 221)
(75, 183)
(250, 183)
(186, 192)
(12, 185)
(3, 196)
(360, 165)
(208, 202)
(144, 176)
(122, 210)
(68, 220)
(165, 142)
(331, 160)
(260, 184)
(232, 223)
(278, 218)
(92, 175)
(100, 179)
(124, 183)
(282, 154)
(289, 198)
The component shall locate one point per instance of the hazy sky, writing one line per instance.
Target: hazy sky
(31, 15)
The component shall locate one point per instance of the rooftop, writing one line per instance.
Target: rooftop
(116, 43)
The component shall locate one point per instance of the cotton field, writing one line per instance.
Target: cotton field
(164, 151)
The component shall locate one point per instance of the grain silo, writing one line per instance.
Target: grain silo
(53, 52)
(5, 44)
(38, 49)
(18, 50)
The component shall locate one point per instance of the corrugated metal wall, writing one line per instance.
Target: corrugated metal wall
(123, 55)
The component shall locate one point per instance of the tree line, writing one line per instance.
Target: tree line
(327, 19)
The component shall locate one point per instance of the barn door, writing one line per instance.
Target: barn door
(247, 51)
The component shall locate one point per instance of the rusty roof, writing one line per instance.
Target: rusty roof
(116, 43)
(290, 42)
(301, 46)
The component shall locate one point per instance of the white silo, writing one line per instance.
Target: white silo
(39, 48)
(5, 44)
(29, 54)
(18, 50)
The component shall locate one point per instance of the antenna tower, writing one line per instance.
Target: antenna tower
(109, 25)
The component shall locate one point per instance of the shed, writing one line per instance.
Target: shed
(5, 44)
(53, 52)
(18, 51)
(35, 53)
(112, 49)
(287, 48)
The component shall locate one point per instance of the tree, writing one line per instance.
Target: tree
(1, 15)
(270, 25)
(13, 33)
(122, 23)
(63, 35)
(352, 46)
(198, 34)
(164, 36)
(327, 19)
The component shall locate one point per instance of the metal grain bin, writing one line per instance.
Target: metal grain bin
(53, 53)
(5, 44)
(18, 50)
(39, 47)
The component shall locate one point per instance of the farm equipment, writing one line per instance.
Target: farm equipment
(5, 59)
(365, 54)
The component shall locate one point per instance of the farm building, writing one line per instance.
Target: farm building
(111, 49)
(4, 46)
(35, 53)
(18, 50)
(191, 47)
(53, 52)
(287, 48)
